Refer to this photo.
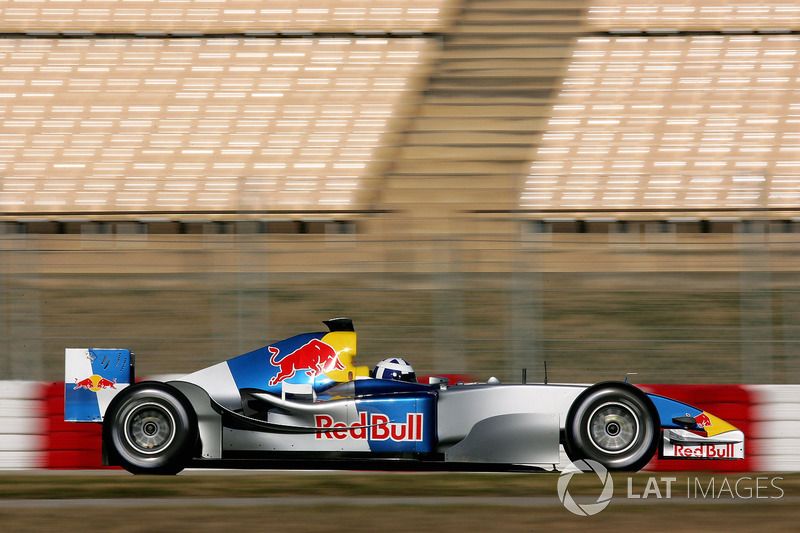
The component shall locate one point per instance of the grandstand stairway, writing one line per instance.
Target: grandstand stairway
(486, 103)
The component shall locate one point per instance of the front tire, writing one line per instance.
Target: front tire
(614, 424)
(150, 428)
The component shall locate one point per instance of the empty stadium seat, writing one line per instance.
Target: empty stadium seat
(222, 16)
(196, 124)
(703, 121)
(693, 15)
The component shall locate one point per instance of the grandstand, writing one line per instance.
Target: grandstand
(223, 16)
(693, 15)
(481, 184)
(143, 125)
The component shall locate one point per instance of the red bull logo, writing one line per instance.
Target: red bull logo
(374, 427)
(95, 383)
(702, 420)
(315, 357)
(706, 451)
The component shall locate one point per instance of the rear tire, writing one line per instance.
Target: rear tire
(150, 428)
(614, 424)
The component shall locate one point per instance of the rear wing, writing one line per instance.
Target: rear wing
(92, 377)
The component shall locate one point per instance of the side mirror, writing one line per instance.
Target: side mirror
(685, 421)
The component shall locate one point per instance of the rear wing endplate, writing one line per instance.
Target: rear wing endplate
(92, 377)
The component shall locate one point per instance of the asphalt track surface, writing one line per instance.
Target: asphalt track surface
(399, 489)
(321, 501)
(318, 501)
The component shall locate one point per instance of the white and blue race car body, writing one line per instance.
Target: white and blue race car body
(303, 399)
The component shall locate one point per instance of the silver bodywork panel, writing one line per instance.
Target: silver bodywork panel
(523, 439)
(209, 422)
(218, 383)
(461, 407)
(243, 440)
(343, 407)
(302, 415)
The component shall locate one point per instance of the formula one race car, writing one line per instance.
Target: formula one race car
(302, 401)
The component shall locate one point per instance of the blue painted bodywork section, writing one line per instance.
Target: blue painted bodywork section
(669, 409)
(365, 387)
(398, 407)
(253, 370)
(80, 405)
(112, 364)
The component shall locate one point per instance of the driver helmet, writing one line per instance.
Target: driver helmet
(394, 368)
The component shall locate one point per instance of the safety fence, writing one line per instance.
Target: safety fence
(33, 433)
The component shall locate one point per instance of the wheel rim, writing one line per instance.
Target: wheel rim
(149, 428)
(613, 428)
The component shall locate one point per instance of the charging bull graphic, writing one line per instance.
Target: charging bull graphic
(702, 420)
(315, 357)
(95, 383)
